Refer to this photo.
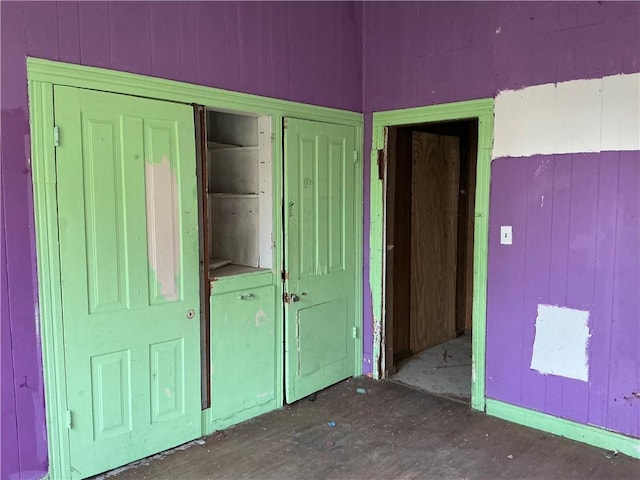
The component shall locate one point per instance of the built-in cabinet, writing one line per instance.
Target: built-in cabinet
(240, 250)
(239, 198)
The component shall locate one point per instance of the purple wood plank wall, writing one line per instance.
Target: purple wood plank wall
(307, 52)
(418, 54)
(576, 223)
(424, 53)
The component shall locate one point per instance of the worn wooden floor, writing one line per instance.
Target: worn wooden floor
(391, 432)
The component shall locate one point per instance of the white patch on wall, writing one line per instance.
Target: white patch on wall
(560, 345)
(569, 117)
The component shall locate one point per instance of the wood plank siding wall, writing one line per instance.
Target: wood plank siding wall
(577, 222)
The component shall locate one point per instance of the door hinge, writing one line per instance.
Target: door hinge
(285, 297)
(355, 156)
(355, 332)
(68, 418)
(285, 122)
(285, 275)
(56, 136)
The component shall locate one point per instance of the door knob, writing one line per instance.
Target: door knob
(291, 297)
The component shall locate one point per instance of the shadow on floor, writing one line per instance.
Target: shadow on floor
(389, 432)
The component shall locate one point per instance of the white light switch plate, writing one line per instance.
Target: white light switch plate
(506, 235)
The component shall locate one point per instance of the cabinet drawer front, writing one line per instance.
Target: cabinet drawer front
(233, 283)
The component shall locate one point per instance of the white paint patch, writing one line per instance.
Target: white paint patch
(163, 226)
(560, 345)
(569, 117)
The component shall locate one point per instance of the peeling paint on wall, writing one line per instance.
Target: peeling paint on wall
(561, 340)
(163, 226)
(595, 115)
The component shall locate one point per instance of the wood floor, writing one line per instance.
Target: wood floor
(392, 431)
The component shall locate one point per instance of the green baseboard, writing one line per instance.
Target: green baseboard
(598, 437)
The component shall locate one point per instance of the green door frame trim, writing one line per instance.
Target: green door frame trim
(42, 75)
(483, 111)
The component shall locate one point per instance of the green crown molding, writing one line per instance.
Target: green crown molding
(72, 75)
(483, 111)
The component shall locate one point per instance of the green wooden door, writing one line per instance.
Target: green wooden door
(319, 255)
(127, 213)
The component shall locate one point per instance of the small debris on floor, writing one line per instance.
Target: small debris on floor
(329, 444)
(331, 424)
(509, 456)
(361, 391)
(610, 454)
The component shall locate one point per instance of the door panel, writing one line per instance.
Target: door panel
(243, 350)
(319, 255)
(127, 213)
(434, 224)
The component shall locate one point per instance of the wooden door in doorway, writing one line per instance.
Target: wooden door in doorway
(434, 219)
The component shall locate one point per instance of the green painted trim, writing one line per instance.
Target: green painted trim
(432, 113)
(483, 111)
(49, 287)
(359, 252)
(278, 251)
(72, 75)
(42, 75)
(595, 436)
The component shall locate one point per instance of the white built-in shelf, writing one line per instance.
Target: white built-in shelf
(230, 146)
(216, 263)
(234, 195)
(233, 269)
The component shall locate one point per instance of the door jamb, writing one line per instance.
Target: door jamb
(482, 110)
(42, 75)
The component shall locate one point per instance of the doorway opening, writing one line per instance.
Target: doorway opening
(430, 205)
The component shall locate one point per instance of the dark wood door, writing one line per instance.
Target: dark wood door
(434, 219)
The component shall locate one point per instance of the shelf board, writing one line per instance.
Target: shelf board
(233, 269)
(230, 146)
(216, 263)
(233, 195)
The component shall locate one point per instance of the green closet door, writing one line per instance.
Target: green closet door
(127, 213)
(320, 247)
